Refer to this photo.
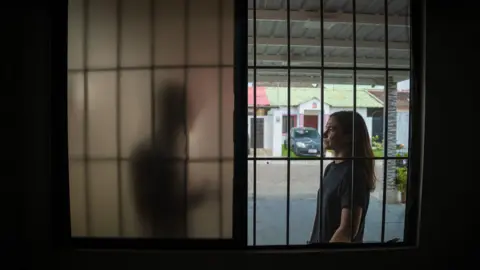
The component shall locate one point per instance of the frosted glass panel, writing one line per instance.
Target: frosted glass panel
(228, 32)
(203, 85)
(131, 224)
(136, 44)
(203, 33)
(135, 109)
(102, 115)
(102, 34)
(75, 34)
(170, 32)
(204, 218)
(78, 199)
(227, 113)
(123, 181)
(103, 193)
(76, 115)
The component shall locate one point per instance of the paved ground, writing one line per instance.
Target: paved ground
(304, 183)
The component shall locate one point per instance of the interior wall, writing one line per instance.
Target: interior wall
(120, 55)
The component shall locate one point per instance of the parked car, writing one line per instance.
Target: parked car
(305, 141)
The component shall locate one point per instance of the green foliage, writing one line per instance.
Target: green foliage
(401, 179)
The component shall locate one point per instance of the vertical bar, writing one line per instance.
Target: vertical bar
(152, 72)
(417, 113)
(118, 119)
(254, 135)
(352, 191)
(220, 115)
(385, 124)
(322, 113)
(240, 188)
(288, 120)
(86, 13)
(185, 126)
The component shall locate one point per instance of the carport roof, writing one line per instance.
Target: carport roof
(277, 96)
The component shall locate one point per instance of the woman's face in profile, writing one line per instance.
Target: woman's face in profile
(333, 138)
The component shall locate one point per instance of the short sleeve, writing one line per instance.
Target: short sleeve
(360, 190)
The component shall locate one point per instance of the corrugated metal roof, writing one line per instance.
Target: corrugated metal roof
(277, 96)
(271, 34)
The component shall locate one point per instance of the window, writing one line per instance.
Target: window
(341, 56)
(153, 82)
(285, 123)
(130, 65)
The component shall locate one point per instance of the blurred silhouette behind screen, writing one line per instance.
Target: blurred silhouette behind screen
(150, 118)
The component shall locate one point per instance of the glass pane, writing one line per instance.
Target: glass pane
(399, 34)
(135, 33)
(102, 114)
(103, 207)
(304, 186)
(114, 188)
(269, 201)
(170, 32)
(76, 115)
(204, 29)
(101, 37)
(75, 34)
(338, 33)
(135, 109)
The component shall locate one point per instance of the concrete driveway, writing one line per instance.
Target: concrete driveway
(304, 182)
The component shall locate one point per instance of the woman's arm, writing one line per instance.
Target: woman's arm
(343, 233)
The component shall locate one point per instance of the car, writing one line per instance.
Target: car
(305, 141)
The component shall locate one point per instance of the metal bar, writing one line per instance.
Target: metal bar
(185, 76)
(322, 98)
(86, 25)
(150, 66)
(118, 115)
(254, 135)
(288, 121)
(352, 191)
(220, 116)
(417, 124)
(210, 160)
(385, 135)
(153, 109)
(240, 188)
(330, 68)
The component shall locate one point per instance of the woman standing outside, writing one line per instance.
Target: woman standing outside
(334, 208)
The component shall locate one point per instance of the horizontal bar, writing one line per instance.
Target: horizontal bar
(84, 243)
(328, 68)
(178, 159)
(148, 67)
(327, 158)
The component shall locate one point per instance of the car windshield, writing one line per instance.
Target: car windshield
(306, 133)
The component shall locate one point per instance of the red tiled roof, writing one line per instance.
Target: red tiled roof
(262, 98)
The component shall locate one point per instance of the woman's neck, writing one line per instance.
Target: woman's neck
(340, 155)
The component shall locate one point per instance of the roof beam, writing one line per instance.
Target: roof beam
(276, 80)
(332, 61)
(329, 17)
(310, 42)
(332, 72)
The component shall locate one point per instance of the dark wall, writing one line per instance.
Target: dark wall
(33, 50)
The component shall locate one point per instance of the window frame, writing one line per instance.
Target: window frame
(62, 225)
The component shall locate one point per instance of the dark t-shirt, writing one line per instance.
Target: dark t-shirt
(337, 183)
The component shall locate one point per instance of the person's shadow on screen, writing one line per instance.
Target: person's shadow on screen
(158, 168)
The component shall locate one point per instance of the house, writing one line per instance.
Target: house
(305, 111)
(403, 115)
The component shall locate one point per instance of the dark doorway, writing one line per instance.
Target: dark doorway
(259, 133)
(377, 126)
(310, 121)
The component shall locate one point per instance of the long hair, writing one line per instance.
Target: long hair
(361, 142)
